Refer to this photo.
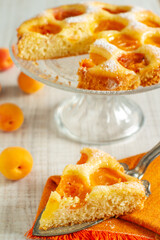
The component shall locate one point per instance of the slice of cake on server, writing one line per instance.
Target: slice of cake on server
(95, 188)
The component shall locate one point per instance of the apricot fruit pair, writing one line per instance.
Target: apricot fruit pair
(26, 84)
(15, 163)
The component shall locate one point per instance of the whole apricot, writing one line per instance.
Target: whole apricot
(5, 59)
(11, 117)
(15, 163)
(28, 85)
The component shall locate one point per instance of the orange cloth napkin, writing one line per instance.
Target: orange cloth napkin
(141, 225)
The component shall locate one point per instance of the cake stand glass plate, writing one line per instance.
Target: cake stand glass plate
(91, 117)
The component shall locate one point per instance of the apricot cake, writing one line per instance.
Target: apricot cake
(123, 43)
(95, 188)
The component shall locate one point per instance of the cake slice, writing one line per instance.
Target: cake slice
(103, 71)
(95, 188)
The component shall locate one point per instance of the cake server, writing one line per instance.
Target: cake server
(137, 172)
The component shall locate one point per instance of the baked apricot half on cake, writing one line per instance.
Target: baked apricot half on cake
(123, 43)
(96, 187)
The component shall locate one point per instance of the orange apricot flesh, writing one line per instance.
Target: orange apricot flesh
(15, 163)
(61, 13)
(117, 10)
(5, 59)
(28, 85)
(83, 159)
(109, 25)
(150, 19)
(97, 59)
(133, 61)
(124, 42)
(106, 176)
(153, 40)
(150, 23)
(44, 29)
(11, 117)
(88, 63)
(72, 186)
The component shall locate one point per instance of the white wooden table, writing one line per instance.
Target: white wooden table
(51, 152)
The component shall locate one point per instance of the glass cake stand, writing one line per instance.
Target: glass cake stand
(91, 117)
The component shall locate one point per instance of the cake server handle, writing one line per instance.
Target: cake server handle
(141, 167)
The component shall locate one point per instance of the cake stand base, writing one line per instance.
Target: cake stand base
(94, 119)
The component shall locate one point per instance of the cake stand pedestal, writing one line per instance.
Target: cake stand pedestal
(98, 119)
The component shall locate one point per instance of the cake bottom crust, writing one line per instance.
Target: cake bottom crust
(99, 82)
(103, 202)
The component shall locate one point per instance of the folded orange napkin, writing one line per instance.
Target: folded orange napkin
(141, 225)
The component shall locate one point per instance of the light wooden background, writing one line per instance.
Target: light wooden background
(51, 152)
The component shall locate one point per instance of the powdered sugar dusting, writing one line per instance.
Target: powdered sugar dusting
(137, 9)
(110, 65)
(42, 14)
(138, 26)
(92, 8)
(153, 50)
(102, 42)
(133, 23)
(128, 15)
(131, 17)
(98, 154)
(81, 18)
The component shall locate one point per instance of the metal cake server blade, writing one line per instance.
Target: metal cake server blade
(137, 172)
(61, 230)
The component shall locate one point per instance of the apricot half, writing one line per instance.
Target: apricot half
(11, 117)
(72, 186)
(15, 163)
(28, 85)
